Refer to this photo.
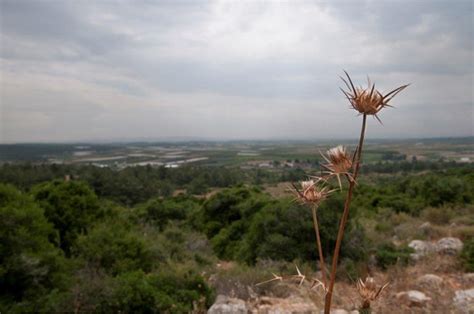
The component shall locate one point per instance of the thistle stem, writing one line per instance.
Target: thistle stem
(343, 222)
(318, 242)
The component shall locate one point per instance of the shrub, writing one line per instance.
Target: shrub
(467, 255)
(283, 230)
(137, 292)
(115, 247)
(30, 266)
(70, 206)
(161, 211)
(388, 254)
(438, 215)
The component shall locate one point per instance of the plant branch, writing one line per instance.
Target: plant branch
(345, 216)
(318, 243)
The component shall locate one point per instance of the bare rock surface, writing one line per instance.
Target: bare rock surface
(449, 246)
(429, 281)
(292, 305)
(463, 301)
(413, 298)
(227, 305)
(421, 248)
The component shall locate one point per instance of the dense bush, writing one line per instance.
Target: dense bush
(246, 224)
(284, 230)
(467, 255)
(226, 217)
(161, 292)
(387, 254)
(115, 247)
(30, 266)
(160, 212)
(70, 206)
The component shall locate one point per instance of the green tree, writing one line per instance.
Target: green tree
(70, 206)
(160, 212)
(31, 268)
(115, 247)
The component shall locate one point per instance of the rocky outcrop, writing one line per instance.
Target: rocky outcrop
(463, 301)
(262, 305)
(227, 305)
(413, 298)
(421, 248)
(449, 246)
(429, 281)
(269, 305)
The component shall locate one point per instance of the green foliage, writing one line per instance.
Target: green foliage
(115, 247)
(134, 293)
(164, 291)
(387, 254)
(226, 216)
(467, 255)
(160, 212)
(70, 206)
(138, 259)
(245, 224)
(438, 215)
(30, 266)
(284, 230)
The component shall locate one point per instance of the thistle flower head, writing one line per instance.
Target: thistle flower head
(338, 162)
(311, 192)
(368, 101)
(369, 291)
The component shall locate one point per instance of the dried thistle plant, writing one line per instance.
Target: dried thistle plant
(338, 163)
(301, 278)
(369, 292)
(368, 101)
(313, 193)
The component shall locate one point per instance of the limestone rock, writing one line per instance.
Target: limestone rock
(413, 297)
(469, 278)
(269, 305)
(429, 281)
(422, 248)
(425, 226)
(340, 311)
(463, 301)
(449, 246)
(226, 305)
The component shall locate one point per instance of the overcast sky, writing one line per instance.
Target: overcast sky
(108, 70)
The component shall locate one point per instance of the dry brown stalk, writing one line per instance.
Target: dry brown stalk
(367, 101)
(313, 194)
(322, 264)
(343, 222)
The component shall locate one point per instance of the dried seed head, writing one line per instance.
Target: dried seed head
(368, 101)
(368, 291)
(310, 192)
(338, 162)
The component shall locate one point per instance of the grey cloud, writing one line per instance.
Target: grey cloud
(157, 66)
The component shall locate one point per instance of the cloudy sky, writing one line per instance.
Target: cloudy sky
(108, 70)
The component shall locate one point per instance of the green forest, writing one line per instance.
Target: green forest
(146, 240)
